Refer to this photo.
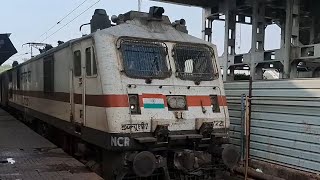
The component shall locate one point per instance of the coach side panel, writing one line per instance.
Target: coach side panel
(4, 88)
(29, 90)
(36, 92)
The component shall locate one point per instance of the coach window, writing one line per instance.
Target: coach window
(91, 67)
(29, 76)
(10, 76)
(48, 74)
(94, 63)
(18, 78)
(77, 63)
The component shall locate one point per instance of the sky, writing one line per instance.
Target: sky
(36, 21)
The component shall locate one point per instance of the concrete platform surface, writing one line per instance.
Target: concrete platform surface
(25, 155)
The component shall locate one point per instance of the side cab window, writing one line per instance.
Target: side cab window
(18, 78)
(77, 63)
(91, 66)
(48, 74)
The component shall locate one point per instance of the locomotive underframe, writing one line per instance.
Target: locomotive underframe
(123, 148)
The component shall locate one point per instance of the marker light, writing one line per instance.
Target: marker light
(134, 104)
(215, 103)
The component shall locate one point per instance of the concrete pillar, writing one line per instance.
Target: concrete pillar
(288, 34)
(258, 37)
(231, 75)
(316, 28)
(230, 33)
(282, 45)
(259, 73)
(293, 68)
(312, 31)
(283, 34)
(296, 23)
(206, 25)
(292, 36)
(295, 36)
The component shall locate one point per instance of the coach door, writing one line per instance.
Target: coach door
(78, 82)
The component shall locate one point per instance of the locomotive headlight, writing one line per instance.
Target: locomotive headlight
(177, 102)
(134, 104)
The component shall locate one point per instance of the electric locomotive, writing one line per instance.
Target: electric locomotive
(141, 91)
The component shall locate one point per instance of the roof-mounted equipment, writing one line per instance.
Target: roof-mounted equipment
(180, 25)
(100, 20)
(156, 12)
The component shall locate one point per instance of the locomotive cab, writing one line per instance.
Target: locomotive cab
(165, 96)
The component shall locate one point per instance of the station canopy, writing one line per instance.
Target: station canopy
(200, 3)
(213, 3)
(275, 9)
(6, 48)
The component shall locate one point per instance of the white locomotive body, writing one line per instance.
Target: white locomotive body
(138, 86)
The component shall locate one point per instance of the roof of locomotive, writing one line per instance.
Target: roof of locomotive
(137, 25)
(140, 26)
(57, 48)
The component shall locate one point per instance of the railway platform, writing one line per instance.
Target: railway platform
(25, 155)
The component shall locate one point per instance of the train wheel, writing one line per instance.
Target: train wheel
(112, 165)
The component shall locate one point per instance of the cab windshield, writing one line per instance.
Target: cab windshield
(144, 59)
(194, 62)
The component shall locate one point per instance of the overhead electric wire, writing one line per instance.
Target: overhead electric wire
(63, 18)
(18, 55)
(71, 20)
(17, 58)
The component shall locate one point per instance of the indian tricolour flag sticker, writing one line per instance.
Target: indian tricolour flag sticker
(153, 101)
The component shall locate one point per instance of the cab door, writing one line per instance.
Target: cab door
(78, 85)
